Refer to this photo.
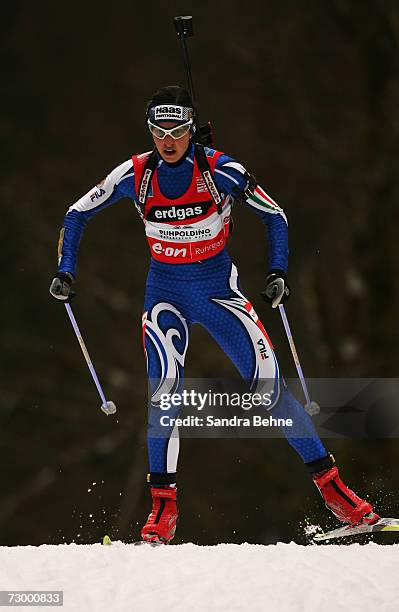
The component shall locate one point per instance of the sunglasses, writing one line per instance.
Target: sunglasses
(177, 132)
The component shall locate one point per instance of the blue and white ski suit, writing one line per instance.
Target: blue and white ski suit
(180, 293)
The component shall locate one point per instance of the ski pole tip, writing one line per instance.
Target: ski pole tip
(312, 408)
(108, 408)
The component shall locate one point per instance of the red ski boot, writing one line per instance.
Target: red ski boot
(161, 523)
(343, 503)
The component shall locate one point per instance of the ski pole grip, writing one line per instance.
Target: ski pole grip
(184, 26)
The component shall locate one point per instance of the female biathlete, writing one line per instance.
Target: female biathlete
(183, 193)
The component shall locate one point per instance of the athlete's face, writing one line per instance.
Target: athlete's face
(171, 150)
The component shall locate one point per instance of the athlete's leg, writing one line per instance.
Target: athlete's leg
(239, 332)
(236, 327)
(165, 338)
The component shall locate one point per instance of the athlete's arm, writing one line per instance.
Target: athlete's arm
(118, 184)
(232, 179)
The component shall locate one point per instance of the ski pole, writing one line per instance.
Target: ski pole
(106, 406)
(311, 408)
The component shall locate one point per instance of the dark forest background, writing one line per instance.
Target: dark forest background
(306, 96)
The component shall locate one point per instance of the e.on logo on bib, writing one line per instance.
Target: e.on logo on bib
(169, 251)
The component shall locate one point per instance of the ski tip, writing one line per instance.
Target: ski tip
(107, 540)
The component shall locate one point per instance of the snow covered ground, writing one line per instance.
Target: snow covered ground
(284, 577)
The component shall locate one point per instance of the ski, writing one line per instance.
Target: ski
(145, 543)
(383, 524)
(107, 542)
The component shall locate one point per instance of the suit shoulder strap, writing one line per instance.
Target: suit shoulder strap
(146, 178)
(205, 169)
